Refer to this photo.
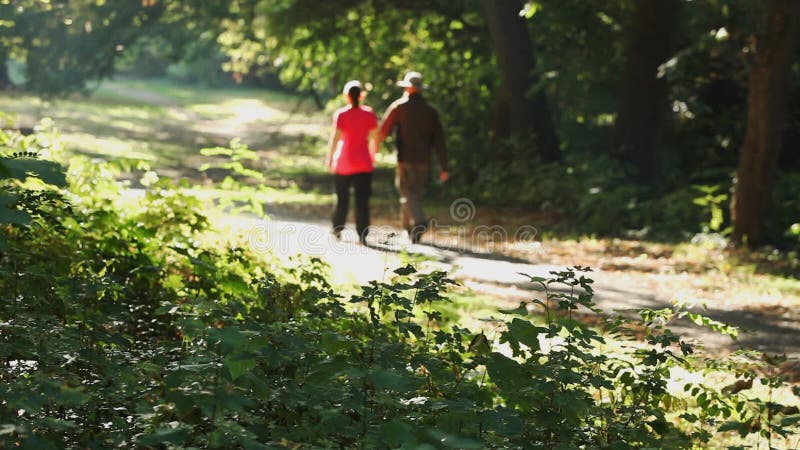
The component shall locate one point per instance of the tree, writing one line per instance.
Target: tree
(5, 79)
(768, 90)
(524, 112)
(317, 46)
(643, 98)
(63, 45)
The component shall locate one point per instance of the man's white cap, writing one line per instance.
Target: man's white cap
(412, 79)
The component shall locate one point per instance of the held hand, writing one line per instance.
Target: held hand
(443, 176)
(373, 149)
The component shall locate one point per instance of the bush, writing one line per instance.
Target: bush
(591, 193)
(121, 328)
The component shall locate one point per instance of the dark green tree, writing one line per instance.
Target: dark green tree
(64, 45)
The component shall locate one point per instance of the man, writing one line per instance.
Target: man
(418, 131)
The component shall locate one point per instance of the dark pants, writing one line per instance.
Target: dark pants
(363, 187)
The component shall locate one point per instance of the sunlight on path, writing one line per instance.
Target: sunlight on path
(235, 117)
(353, 264)
(508, 281)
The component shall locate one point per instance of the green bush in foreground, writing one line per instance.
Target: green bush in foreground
(120, 328)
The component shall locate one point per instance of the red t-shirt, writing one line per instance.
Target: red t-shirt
(352, 151)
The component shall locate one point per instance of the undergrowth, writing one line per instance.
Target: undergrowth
(121, 328)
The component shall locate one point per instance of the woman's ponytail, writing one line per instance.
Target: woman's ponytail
(355, 95)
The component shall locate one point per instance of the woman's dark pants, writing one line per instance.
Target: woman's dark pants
(362, 182)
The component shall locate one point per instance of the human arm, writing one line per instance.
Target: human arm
(373, 142)
(388, 124)
(332, 143)
(440, 145)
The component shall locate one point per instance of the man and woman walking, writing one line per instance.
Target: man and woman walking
(355, 141)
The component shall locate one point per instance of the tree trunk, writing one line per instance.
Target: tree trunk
(643, 99)
(499, 117)
(766, 113)
(527, 114)
(5, 80)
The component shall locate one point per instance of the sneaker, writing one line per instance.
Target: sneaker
(337, 233)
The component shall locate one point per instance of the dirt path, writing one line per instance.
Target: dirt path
(500, 276)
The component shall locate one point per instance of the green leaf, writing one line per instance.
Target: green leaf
(165, 436)
(407, 270)
(238, 366)
(14, 216)
(411, 328)
(525, 333)
(9, 214)
(388, 379)
(333, 343)
(530, 9)
(521, 310)
(230, 338)
(23, 168)
(480, 344)
(790, 420)
(396, 432)
(734, 426)
(714, 325)
(506, 373)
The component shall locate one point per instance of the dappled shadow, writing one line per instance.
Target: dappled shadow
(777, 335)
(463, 251)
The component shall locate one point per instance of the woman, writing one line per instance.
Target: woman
(350, 157)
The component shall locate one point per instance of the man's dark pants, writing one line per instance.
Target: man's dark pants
(363, 189)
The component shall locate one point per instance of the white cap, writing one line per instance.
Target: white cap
(351, 84)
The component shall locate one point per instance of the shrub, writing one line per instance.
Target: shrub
(119, 327)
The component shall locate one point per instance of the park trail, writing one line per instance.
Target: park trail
(496, 275)
(492, 274)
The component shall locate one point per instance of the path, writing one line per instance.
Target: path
(500, 276)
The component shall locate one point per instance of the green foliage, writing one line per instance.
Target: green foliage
(27, 180)
(182, 44)
(119, 327)
(235, 153)
(786, 203)
(593, 195)
(66, 45)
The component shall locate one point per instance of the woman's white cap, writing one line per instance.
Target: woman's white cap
(351, 84)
